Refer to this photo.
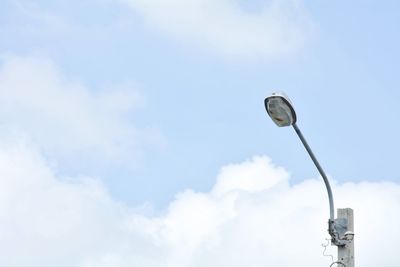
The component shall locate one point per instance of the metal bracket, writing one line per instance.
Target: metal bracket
(338, 230)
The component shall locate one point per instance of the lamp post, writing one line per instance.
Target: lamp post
(281, 111)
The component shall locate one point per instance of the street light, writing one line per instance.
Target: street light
(281, 111)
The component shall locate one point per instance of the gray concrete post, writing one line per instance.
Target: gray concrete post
(346, 253)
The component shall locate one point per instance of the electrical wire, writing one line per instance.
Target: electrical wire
(325, 247)
(338, 263)
(330, 255)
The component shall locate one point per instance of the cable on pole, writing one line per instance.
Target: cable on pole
(338, 263)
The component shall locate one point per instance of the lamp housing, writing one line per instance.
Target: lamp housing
(280, 109)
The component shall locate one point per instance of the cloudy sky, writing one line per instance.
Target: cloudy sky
(133, 132)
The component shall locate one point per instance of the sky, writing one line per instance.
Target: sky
(133, 132)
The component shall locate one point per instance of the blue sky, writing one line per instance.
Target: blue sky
(150, 98)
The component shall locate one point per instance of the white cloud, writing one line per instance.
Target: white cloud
(47, 220)
(234, 177)
(65, 117)
(88, 24)
(279, 29)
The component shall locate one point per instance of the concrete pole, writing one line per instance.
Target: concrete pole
(346, 253)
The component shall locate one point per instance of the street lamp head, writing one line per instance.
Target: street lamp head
(280, 109)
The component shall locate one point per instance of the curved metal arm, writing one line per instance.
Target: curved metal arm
(321, 171)
(333, 225)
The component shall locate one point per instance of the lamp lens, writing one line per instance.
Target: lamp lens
(279, 112)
